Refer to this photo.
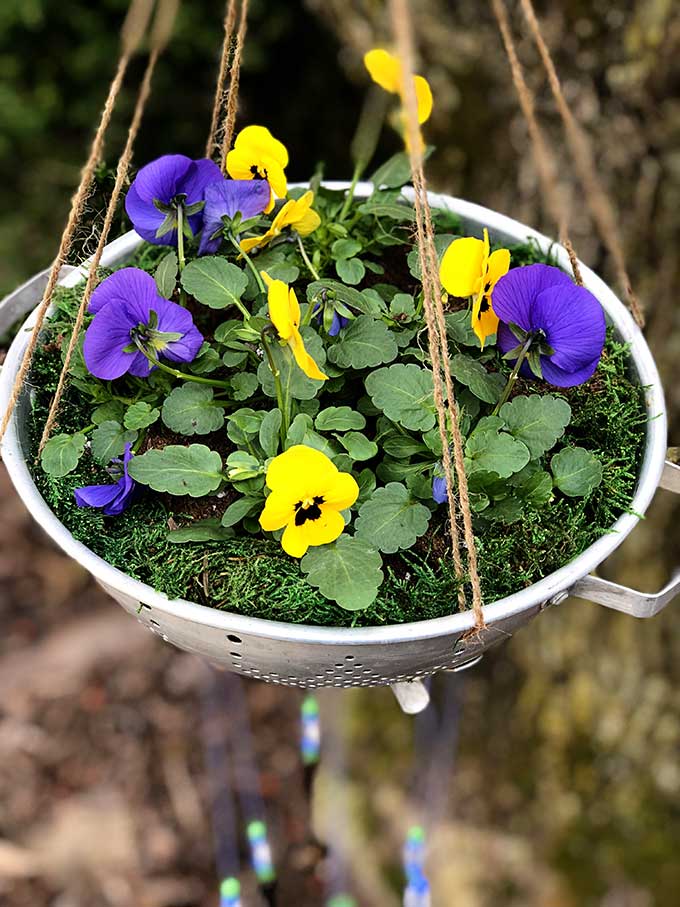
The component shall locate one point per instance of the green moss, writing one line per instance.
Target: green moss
(252, 576)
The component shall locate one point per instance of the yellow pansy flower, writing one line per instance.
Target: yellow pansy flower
(386, 69)
(467, 269)
(307, 496)
(284, 312)
(296, 213)
(258, 155)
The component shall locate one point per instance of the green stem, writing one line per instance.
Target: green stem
(180, 237)
(310, 267)
(358, 170)
(513, 375)
(282, 404)
(176, 372)
(249, 262)
(140, 440)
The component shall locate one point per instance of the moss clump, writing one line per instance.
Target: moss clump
(252, 576)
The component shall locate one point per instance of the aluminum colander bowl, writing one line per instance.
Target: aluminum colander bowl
(399, 655)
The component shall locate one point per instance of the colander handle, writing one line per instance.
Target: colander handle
(621, 598)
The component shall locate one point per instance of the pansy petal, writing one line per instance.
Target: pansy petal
(160, 179)
(461, 266)
(573, 322)
(308, 223)
(252, 242)
(294, 540)
(146, 218)
(484, 321)
(384, 69)
(279, 309)
(198, 176)
(342, 492)
(423, 97)
(239, 164)
(327, 528)
(293, 471)
(122, 500)
(279, 509)
(105, 339)
(563, 378)
(121, 286)
(294, 307)
(139, 366)
(96, 495)
(514, 293)
(276, 177)
(303, 358)
(497, 266)
(260, 139)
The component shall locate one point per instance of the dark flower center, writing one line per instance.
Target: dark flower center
(483, 307)
(257, 173)
(308, 510)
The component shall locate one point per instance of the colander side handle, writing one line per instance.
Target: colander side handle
(622, 598)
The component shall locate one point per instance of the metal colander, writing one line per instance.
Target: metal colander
(309, 656)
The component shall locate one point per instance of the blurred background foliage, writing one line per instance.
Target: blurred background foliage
(566, 789)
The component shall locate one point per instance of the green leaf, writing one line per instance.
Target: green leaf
(366, 483)
(109, 440)
(490, 451)
(347, 571)
(270, 432)
(140, 415)
(166, 275)
(485, 385)
(459, 328)
(339, 418)
(391, 520)
(214, 282)
(294, 382)
(177, 469)
(207, 361)
(243, 425)
(401, 447)
(395, 172)
(537, 489)
(190, 410)
(201, 531)
(404, 394)
(61, 454)
(345, 248)
(365, 343)
(350, 270)
(242, 466)
(366, 301)
(358, 446)
(537, 421)
(244, 385)
(113, 411)
(577, 471)
(239, 510)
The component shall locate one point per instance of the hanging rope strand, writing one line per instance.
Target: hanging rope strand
(162, 30)
(131, 34)
(434, 313)
(234, 82)
(543, 158)
(220, 87)
(597, 199)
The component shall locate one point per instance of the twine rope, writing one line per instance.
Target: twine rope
(234, 83)
(132, 31)
(543, 157)
(162, 30)
(434, 315)
(220, 87)
(582, 156)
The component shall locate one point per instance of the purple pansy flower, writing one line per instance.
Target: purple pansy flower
(110, 499)
(566, 321)
(160, 187)
(440, 493)
(129, 313)
(226, 198)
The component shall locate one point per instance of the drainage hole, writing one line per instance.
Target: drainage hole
(232, 638)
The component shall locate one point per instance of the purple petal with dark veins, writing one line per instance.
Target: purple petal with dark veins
(225, 198)
(574, 324)
(123, 285)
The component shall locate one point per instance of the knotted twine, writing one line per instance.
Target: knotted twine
(234, 83)
(160, 35)
(133, 30)
(543, 157)
(220, 98)
(444, 395)
(598, 202)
